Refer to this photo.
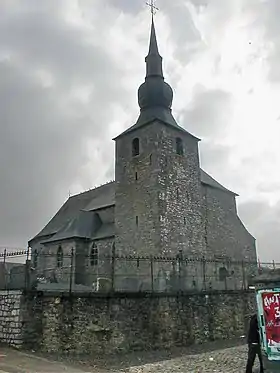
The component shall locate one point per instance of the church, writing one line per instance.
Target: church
(161, 204)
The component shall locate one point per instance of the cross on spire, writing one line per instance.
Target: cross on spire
(153, 7)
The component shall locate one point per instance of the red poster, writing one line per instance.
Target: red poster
(271, 307)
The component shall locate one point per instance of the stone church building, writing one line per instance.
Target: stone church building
(160, 204)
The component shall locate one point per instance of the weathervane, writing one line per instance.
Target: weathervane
(153, 7)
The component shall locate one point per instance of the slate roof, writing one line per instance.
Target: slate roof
(156, 114)
(209, 181)
(77, 217)
(76, 203)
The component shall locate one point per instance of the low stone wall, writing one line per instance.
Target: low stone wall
(121, 323)
(10, 318)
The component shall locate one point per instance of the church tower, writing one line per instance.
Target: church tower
(158, 189)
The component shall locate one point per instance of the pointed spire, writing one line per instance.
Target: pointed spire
(153, 60)
(153, 49)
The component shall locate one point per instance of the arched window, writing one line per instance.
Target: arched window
(223, 274)
(35, 258)
(59, 257)
(179, 146)
(94, 255)
(135, 147)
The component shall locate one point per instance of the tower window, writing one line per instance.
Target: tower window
(151, 159)
(59, 257)
(135, 147)
(223, 274)
(179, 146)
(136, 176)
(136, 220)
(185, 221)
(35, 259)
(94, 256)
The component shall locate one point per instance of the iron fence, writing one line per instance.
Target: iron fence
(77, 272)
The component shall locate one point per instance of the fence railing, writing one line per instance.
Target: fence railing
(76, 272)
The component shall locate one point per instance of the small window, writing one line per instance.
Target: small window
(179, 146)
(136, 220)
(185, 221)
(135, 147)
(223, 274)
(35, 259)
(151, 159)
(136, 176)
(59, 257)
(177, 193)
(94, 256)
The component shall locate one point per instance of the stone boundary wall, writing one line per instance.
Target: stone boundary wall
(92, 325)
(10, 317)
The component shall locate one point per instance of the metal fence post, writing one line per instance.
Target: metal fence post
(5, 272)
(152, 274)
(27, 270)
(204, 272)
(243, 276)
(113, 263)
(71, 271)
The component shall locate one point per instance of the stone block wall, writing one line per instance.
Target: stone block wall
(123, 323)
(225, 234)
(11, 318)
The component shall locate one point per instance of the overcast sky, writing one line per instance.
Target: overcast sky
(69, 74)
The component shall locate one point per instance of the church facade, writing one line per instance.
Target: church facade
(161, 203)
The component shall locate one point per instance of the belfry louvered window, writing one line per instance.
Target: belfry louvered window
(59, 257)
(94, 256)
(179, 146)
(135, 147)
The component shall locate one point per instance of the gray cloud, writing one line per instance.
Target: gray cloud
(184, 33)
(44, 129)
(128, 6)
(208, 112)
(263, 222)
(214, 157)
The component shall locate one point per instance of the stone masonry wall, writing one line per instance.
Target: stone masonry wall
(225, 235)
(47, 261)
(10, 318)
(158, 194)
(108, 325)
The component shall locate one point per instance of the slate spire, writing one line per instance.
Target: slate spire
(153, 59)
(154, 94)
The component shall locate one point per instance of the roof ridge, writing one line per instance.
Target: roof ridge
(92, 189)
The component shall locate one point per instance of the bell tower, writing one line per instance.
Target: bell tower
(157, 174)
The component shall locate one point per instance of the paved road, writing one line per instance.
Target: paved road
(229, 360)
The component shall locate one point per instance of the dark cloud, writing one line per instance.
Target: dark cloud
(45, 128)
(263, 222)
(208, 112)
(214, 157)
(184, 34)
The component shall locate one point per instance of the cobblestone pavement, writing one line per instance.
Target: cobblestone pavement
(230, 360)
(227, 360)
